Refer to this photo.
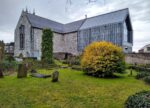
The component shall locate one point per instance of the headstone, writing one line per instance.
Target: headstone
(33, 71)
(22, 71)
(1, 73)
(55, 75)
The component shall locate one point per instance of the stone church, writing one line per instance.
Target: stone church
(71, 38)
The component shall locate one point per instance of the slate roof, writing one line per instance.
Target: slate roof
(39, 22)
(74, 26)
(113, 17)
(109, 18)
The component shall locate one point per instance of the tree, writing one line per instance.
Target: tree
(102, 59)
(47, 46)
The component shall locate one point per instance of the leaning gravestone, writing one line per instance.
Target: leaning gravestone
(22, 71)
(55, 75)
(1, 73)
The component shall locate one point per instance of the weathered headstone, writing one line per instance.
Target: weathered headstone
(33, 71)
(1, 73)
(22, 71)
(55, 75)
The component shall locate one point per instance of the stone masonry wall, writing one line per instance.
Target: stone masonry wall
(137, 58)
(22, 21)
(58, 43)
(71, 43)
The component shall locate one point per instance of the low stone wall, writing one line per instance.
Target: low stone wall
(62, 56)
(137, 58)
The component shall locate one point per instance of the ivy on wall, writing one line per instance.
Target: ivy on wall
(47, 46)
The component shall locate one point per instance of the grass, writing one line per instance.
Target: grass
(74, 90)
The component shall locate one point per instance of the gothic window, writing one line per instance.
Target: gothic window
(22, 36)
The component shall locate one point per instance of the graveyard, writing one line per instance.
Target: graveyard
(73, 89)
(77, 82)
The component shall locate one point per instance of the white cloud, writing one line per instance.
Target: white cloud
(139, 9)
(6, 36)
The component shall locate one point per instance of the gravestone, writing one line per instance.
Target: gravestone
(55, 75)
(1, 73)
(22, 71)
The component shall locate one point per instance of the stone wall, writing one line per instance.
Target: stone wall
(58, 43)
(27, 49)
(71, 43)
(137, 58)
(61, 43)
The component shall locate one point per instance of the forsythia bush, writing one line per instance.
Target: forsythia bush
(102, 59)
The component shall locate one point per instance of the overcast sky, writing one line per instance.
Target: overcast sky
(61, 11)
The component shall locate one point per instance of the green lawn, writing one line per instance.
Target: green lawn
(74, 90)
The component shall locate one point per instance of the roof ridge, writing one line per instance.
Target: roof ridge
(80, 19)
(44, 18)
(109, 13)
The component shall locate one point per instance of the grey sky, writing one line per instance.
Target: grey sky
(10, 11)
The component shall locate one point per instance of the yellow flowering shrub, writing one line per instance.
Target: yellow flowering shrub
(102, 59)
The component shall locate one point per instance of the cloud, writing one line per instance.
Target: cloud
(7, 36)
(139, 9)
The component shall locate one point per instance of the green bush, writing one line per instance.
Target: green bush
(147, 79)
(9, 66)
(142, 75)
(74, 60)
(102, 59)
(138, 100)
(139, 68)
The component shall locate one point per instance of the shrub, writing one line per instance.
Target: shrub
(75, 60)
(142, 75)
(8, 66)
(138, 100)
(47, 46)
(9, 58)
(147, 79)
(102, 59)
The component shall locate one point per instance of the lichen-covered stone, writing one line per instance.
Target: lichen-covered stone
(22, 71)
(55, 76)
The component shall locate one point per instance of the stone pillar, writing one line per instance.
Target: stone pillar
(55, 75)
(22, 71)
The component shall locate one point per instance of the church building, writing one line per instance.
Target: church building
(72, 38)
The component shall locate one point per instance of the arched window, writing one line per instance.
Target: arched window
(22, 36)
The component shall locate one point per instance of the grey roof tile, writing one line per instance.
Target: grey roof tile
(74, 26)
(39, 22)
(113, 17)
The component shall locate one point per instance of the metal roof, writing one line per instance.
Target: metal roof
(113, 17)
